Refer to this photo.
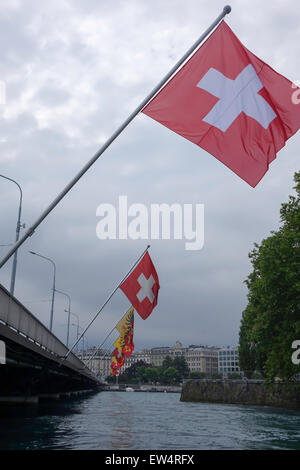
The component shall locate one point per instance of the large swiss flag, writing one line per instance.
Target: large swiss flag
(230, 103)
(141, 287)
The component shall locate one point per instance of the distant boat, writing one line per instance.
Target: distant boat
(129, 389)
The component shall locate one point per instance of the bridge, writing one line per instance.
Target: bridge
(33, 369)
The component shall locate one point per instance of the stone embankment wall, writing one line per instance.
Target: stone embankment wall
(285, 395)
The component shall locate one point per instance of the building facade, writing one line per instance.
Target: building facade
(202, 359)
(144, 355)
(159, 354)
(228, 359)
(199, 358)
(100, 362)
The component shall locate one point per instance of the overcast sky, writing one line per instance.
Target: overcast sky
(74, 70)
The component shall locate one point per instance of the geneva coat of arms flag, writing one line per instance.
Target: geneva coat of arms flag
(232, 104)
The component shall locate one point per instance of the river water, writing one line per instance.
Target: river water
(145, 420)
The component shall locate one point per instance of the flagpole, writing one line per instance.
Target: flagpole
(105, 303)
(30, 231)
(105, 355)
(99, 347)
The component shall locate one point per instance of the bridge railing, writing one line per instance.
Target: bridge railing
(17, 316)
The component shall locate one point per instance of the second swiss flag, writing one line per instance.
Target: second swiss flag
(141, 287)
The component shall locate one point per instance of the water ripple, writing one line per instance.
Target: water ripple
(118, 420)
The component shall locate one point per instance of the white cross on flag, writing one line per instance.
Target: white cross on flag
(141, 287)
(230, 103)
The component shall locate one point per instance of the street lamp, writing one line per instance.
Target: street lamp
(77, 325)
(69, 314)
(53, 287)
(83, 346)
(14, 268)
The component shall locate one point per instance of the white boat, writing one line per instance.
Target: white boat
(129, 389)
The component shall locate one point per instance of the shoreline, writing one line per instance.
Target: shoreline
(239, 392)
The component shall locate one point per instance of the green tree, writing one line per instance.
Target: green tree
(131, 371)
(181, 365)
(170, 375)
(248, 357)
(271, 321)
(234, 376)
(197, 375)
(151, 374)
(257, 375)
(167, 362)
(216, 375)
(123, 379)
(142, 374)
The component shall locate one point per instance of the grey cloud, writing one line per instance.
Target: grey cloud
(106, 73)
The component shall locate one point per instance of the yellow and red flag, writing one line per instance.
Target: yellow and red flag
(124, 343)
(125, 328)
(129, 345)
(118, 361)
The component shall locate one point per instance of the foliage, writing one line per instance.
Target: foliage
(167, 362)
(170, 375)
(257, 375)
(197, 375)
(216, 375)
(132, 370)
(181, 365)
(271, 320)
(172, 371)
(234, 376)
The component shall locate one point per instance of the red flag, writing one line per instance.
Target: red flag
(129, 344)
(118, 361)
(230, 103)
(141, 287)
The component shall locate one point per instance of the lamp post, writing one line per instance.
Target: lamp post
(69, 314)
(53, 287)
(83, 346)
(14, 267)
(77, 325)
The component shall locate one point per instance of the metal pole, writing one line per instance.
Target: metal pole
(77, 316)
(77, 337)
(99, 347)
(53, 286)
(155, 90)
(108, 351)
(69, 314)
(82, 352)
(52, 301)
(105, 303)
(86, 349)
(14, 267)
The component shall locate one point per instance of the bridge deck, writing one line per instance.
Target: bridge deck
(19, 325)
